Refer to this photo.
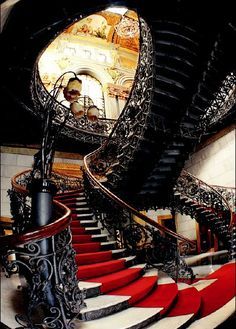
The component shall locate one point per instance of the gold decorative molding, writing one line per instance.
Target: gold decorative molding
(117, 91)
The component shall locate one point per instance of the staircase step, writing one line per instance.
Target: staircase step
(69, 195)
(99, 256)
(85, 230)
(81, 248)
(98, 269)
(137, 289)
(100, 306)
(88, 222)
(79, 210)
(84, 238)
(182, 312)
(92, 258)
(84, 215)
(83, 223)
(73, 203)
(118, 279)
(130, 318)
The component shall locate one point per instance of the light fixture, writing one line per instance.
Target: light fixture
(73, 89)
(93, 113)
(77, 109)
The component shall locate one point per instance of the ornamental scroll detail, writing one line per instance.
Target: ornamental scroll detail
(55, 299)
(132, 121)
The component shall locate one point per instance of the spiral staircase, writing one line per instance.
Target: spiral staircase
(129, 273)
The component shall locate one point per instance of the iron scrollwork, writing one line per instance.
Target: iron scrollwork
(220, 106)
(148, 243)
(82, 129)
(203, 203)
(55, 299)
(131, 123)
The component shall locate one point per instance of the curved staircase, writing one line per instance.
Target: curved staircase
(122, 293)
(183, 62)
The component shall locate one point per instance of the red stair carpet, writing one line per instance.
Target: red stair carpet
(122, 294)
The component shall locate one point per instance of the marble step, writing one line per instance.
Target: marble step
(98, 269)
(104, 284)
(99, 256)
(118, 299)
(86, 238)
(85, 230)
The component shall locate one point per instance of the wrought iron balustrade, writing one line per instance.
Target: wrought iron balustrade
(192, 187)
(20, 198)
(223, 102)
(228, 193)
(152, 242)
(131, 123)
(54, 299)
(73, 127)
(44, 256)
(203, 202)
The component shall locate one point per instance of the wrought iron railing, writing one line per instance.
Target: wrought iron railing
(229, 194)
(20, 199)
(202, 193)
(44, 256)
(220, 107)
(197, 199)
(82, 128)
(52, 287)
(131, 124)
(151, 241)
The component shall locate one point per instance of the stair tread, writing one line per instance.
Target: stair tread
(113, 280)
(103, 301)
(89, 271)
(121, 320)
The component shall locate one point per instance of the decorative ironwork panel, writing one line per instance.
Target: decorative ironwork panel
(132, 121)
(146, 242)
(101, 128)
(52, 286)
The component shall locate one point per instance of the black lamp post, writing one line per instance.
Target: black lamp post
(42, 188)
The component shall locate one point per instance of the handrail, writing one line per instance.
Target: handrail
(209, 186)
(19, 187)
(225, 187)
(39, 233)
(129, 207)
(231, 222)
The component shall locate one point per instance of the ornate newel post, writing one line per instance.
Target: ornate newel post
(42, 192)
(48, 264)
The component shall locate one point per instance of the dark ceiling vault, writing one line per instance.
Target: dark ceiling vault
(31, 25)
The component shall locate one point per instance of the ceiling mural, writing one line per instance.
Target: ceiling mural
(104, 45)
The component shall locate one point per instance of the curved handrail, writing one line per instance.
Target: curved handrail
(38, 233)
(17, 187)
(125, 205)
(213, 189)
(209, 186)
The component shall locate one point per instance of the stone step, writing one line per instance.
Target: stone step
(118, 299)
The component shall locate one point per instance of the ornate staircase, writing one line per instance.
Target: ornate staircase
(123, 293)
(128, 280)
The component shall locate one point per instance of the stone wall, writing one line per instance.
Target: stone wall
(15, 160)
(215, 163)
